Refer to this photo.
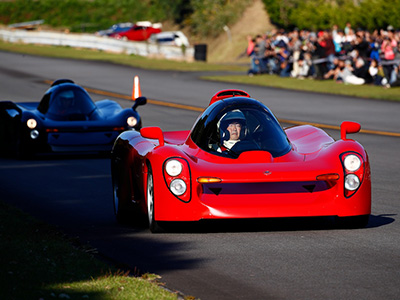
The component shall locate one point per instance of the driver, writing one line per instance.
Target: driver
(65, 101)
(232, 127)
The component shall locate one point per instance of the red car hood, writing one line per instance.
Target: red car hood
(258, 166)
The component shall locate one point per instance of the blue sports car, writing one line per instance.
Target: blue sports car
(116, 28)
(65, 120)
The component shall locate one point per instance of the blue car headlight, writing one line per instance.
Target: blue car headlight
(31, 123)
(131, 121)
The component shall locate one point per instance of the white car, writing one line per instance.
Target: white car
(174, 38)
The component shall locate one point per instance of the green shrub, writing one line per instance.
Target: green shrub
(204, 17)
(210, 16)
(321, 14)
(82, 15)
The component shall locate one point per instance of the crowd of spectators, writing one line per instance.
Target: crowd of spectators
(349, 56)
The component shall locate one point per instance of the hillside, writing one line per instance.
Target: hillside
(226, 48)
(254, 21)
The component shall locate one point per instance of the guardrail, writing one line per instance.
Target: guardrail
(95, 42)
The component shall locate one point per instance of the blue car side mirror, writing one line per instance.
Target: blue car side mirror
(139, 101)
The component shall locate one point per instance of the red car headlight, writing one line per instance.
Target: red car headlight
(178, 187)
(173, 167)
(178, 178)
(351, 182)
(352, 162)
(353, 167)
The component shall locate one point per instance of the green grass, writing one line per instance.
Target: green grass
(310, 85)
(321, 86)
(37, 262)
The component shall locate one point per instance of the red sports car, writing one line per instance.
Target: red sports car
(137, 33)
(238, 162)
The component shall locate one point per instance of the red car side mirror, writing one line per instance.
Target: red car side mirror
(348, 127)
(153, 133)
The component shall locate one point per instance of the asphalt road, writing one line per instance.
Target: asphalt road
(275, 259)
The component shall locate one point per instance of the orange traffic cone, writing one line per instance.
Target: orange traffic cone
(136, 93)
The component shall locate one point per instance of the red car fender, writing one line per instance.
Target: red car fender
(356, 204)
(167, 205)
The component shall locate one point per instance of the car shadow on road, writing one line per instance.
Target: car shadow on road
(270, 224)
(380, 220)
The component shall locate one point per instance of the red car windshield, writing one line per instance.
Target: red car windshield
(229, 130)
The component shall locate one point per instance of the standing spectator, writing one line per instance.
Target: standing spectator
(374, 49)
(329, 49)
(388, 64)
(260, 47)
(319, 56)
(347, 29)
(338, 39)
(283, 59)
(257, 58)
(295, 51)
(270, 57)
(281, 36)
(362, 46)
(251, 43)
(307, 68)
(348, 40)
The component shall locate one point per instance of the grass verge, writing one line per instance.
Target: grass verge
(38, 262)
(310, 85)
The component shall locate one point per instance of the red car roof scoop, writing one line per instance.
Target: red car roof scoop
(256, 156)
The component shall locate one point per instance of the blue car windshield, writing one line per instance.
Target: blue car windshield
(68, 102)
